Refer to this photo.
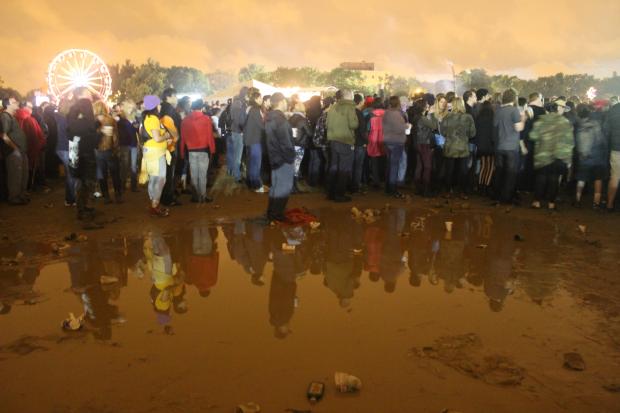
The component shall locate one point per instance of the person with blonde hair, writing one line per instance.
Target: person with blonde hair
(107, 153)
(128, 141)
(458, 128)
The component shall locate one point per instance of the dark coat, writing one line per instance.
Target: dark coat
(484, 131)
(279, 139)
(304, 133)
(254, 129)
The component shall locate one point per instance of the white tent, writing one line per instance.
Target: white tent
(233, 90)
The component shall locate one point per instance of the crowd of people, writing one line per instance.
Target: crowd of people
(499, 145)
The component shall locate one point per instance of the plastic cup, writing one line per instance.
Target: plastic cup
(295, 132)
(448, 226)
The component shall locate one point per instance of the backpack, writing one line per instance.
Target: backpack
(225, 121)
(320, 132)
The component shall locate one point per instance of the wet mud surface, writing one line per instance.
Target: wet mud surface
(212, 308)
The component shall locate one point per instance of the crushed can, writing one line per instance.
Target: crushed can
(315, 391)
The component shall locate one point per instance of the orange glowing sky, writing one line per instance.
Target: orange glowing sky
(411, 37)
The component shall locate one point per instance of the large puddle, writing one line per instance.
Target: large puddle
(219, 313)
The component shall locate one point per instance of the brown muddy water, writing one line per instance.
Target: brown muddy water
(217, 313)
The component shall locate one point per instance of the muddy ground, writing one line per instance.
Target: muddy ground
(204, 310)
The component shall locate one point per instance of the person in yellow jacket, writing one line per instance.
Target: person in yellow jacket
(155, 154)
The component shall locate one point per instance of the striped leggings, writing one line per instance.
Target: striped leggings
(487, 167)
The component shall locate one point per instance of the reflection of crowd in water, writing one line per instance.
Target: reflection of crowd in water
(400, 244)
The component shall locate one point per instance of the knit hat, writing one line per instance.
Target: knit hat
(151, 102)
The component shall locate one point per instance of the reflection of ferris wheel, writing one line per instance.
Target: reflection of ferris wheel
(78, 68)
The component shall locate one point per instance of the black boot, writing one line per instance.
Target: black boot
(279, 207)
(103, 186)
(342, 179)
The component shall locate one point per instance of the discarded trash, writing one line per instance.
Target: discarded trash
(448, 226)
(404, 234)
(405, 257)
(418, 224)
(369, 212)
(518, 237)
(315, 224)
(347, 383)
(482, 246)
(582, 229)
(574, 361)
(72, 323)
(13, 261)
(612, 387)
(315, 391)
(288, 248)
(248, 408)
(49, 205)
(297, 411)
(57, 247)
(357, 251)
(108, 279)
(71, 237)
(356, 212)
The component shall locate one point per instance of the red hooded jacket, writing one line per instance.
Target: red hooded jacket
(34, 135)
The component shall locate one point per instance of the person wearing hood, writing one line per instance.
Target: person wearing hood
(171, 121)
(341, 125)
(197, 139)
(34, 136)
(155, 154)
(238, 113)
(281, 157)
(375, 148)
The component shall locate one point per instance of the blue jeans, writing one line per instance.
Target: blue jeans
(359, 156)
(129, 166)
(254, 155)
(237, 149)
(506, 167)
(107, 163)
(282, 181)
(394, 152)
(69, 181)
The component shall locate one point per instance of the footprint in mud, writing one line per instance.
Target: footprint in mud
(465, 354)
(23, 346)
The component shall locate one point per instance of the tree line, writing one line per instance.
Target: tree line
(133, 81)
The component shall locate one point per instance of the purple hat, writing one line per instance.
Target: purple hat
(151, 102)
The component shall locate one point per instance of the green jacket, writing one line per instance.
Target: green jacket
(342, 122)
(553, 137)
(458, 129)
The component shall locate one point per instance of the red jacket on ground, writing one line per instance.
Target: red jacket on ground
(197, 133)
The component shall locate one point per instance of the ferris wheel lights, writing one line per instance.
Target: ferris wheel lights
(78, 68)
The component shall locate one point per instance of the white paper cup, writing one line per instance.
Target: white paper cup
(408, 130)
(448, 226)
(295, 132)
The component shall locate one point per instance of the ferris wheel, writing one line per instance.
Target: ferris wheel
(78, 68)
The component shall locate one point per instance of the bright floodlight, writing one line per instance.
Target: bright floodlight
(591, 93)
(78, 68)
